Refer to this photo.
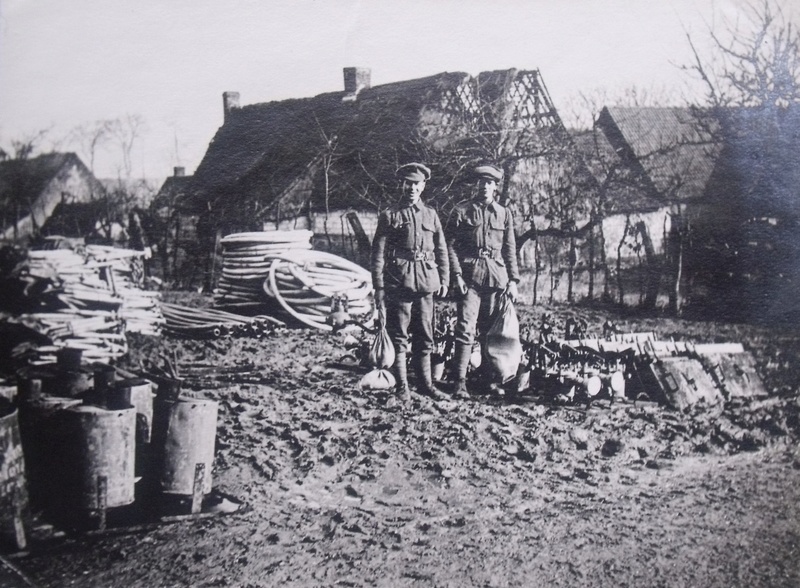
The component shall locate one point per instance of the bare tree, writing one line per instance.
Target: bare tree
(126, 130)
(755, 60)
(751, 78)
(91, 137)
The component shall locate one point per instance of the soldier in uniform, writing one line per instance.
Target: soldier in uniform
(483, 261)
(410, 265)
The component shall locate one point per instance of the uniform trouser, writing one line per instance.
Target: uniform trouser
(475, 312)
(409, 317)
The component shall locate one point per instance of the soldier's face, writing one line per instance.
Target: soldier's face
(411, 191)
(486, 189)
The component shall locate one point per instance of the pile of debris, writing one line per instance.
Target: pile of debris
(638, 366)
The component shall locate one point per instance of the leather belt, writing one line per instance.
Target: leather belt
(414, 254)
(487, 252)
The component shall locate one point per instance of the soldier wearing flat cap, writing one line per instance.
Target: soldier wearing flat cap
(483, 261)
(410, 265)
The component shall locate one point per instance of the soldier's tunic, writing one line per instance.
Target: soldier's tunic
(483, 250)
(410, 260)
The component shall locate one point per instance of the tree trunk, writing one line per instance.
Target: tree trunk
(652, 272)
(590, 295)
(571, 268)
(535, 271)
(620, 286)
(675, 245)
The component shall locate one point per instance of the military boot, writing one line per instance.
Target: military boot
(463, 353)
(425, 379)
(402, 392)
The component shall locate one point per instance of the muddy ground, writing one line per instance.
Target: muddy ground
(336, 490)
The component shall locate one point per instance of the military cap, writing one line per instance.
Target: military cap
(490, 172)
(416, 172)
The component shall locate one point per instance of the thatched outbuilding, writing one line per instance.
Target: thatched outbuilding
(31, 190)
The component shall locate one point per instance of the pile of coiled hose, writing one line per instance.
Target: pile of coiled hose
(246, 260)
(280, 267)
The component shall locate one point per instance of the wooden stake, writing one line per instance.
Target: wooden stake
(102, 501)
(197, 490)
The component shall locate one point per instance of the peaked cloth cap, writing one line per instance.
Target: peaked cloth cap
(490, 172)
(415, 172)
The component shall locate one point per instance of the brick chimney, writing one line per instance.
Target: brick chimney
(355, 80)
(179, 171)
(230, 102)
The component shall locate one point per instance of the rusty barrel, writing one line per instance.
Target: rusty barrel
(184, 434)
(97, 455)
(13, 490)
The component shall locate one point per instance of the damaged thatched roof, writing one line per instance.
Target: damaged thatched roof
(340, 149)
(267, 150)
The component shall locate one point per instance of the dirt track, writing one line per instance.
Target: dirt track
(337, 490)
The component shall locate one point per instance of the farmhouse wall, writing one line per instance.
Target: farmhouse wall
(657, 223)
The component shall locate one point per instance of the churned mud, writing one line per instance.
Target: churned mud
(337, 490)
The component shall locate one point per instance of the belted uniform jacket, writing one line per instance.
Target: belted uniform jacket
(409, 250)
(482, 244)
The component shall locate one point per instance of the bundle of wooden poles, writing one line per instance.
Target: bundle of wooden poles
(278, 270)
(202, 323)
(101, 298)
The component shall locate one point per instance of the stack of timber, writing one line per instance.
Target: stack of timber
(98, 298)
(278, 271)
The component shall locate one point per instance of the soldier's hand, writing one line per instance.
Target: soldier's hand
(462, 285)
(442, 292)
(380, 297)
(512, 292)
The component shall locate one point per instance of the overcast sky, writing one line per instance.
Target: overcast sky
(65, 63)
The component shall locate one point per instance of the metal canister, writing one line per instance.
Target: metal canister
(98, 453)
(138, 393)
(184, 434)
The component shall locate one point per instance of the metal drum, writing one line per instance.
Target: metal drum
(98, 453)
(13, 492)
(184, 434)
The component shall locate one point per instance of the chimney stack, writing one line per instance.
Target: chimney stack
(230, 101)
(179, 171)
(356, 79)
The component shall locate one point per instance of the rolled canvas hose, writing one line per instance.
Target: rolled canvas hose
(303, 281)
